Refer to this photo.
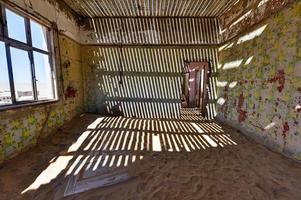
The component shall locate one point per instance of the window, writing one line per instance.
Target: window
(22, 76)
(26, 67)
(5, 93)
(15, 26)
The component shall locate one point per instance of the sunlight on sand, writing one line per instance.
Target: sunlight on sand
(50, 173)
(112, 143)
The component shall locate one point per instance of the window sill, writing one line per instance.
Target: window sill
(24, 105)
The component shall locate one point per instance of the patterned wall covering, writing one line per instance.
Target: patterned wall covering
(20, 128)
(141, 82)
(163, 31)
(259, 83)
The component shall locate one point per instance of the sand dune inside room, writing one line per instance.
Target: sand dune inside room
(150, 99)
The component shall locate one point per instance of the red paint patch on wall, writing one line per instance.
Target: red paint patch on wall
(286, 129)
(241, 100)
(280, 77)
(242, 114)
(70, 92)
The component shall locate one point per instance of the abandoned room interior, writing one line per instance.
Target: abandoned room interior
(150, 99)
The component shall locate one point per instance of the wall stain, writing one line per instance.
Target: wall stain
(242, 114)
(286, 129)
(280, 77)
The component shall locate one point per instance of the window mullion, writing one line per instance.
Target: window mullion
(30, 52)
(8, 58)
(4, 23)
(10, 73)
(1, 21)
(50, 57)
(23, 46)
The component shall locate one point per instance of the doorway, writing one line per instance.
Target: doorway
(194, 88)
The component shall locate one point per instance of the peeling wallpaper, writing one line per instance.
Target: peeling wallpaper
(246, 13)
(259, 82)
(20, 128)
(54, 11)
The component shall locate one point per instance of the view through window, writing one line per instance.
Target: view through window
(26, 71)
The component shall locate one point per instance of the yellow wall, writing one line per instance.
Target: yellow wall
(259, 82)
(20, 128)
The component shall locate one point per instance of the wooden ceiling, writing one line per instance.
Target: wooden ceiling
(150, 8)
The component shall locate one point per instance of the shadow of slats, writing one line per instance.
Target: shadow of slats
(149, 83)
(117, 134)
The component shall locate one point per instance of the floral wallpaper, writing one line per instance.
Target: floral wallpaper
(259, 81)
(20, 128)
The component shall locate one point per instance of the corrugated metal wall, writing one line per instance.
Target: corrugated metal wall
(146, 81)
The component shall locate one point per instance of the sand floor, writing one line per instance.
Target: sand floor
(111, 158)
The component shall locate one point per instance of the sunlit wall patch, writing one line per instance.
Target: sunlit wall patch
(249, 60)
(232, 64)
(233, 84)
(221, 101)
(269, 126)
(252, 35)
(298, 107)
(221, 83)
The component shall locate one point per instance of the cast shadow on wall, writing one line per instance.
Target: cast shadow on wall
(128, 85)
(134, 66)
(137, 82)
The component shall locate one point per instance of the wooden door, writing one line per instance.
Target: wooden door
(198, 80)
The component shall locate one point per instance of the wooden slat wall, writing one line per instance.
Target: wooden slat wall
(164, 31)
(151, 79)
(134, 65)
(140, 8)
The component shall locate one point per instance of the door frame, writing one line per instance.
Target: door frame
(201, 92)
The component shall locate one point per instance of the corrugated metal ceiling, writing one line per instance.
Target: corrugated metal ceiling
(150, 8)
(163, 31)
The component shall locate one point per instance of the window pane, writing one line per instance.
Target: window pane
(5, 94)
(15, 26)
(22, 74)
(43, 76)
(39, 35)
